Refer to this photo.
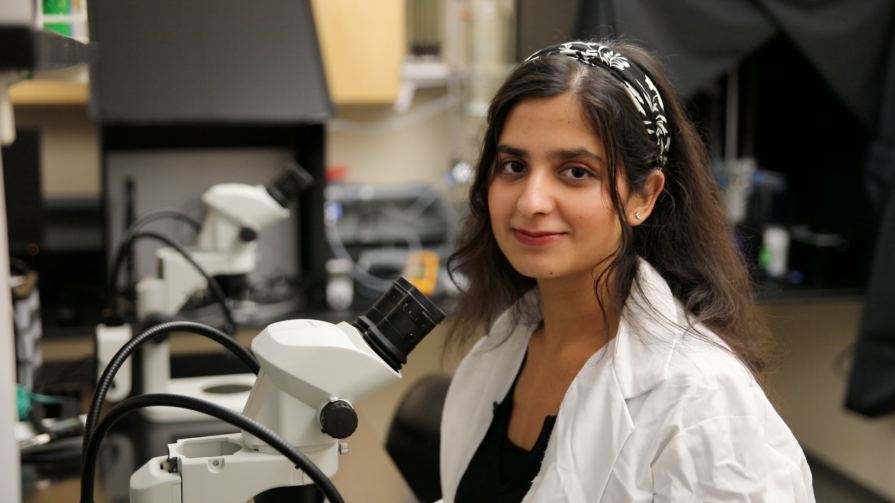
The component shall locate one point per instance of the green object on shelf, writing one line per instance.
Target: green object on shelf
(55, 7)
(60, 28)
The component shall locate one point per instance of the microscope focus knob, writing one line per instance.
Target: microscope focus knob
(247, 234)
(338, 419)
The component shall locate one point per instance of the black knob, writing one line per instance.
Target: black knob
(286, 186)
(338, 419)
(247, 234)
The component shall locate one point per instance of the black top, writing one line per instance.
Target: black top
(501, 471)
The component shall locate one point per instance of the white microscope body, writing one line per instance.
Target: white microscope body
(220, 250)
(226, 245)
(311, 373)
(234, 212)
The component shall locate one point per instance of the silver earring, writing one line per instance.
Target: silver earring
(637, 215)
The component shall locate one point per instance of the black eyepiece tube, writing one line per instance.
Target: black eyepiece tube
(398, 321)
(286, 186)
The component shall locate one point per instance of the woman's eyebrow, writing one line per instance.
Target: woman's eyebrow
(573, 154)
(556, 154)
(514, 151)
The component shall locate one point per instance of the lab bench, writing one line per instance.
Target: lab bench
(367, 473)
(807, 385)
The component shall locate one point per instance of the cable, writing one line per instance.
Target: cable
(105, 381)
(88, 466)
(213, 285)
(54, 456)
(415, 210)
(152, 216)
(364, 277)
(162, 213)
(45, 399)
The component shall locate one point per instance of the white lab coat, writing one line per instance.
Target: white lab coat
(653, 416)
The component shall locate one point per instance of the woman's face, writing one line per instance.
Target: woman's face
(550, 205)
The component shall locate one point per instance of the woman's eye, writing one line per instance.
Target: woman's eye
(577, 173)
(512, 167)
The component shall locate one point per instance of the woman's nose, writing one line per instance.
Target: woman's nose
(537, 196)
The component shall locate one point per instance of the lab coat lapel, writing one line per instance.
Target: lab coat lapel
(651, 327)
(580, 455)
(493, 374)
(594, 421)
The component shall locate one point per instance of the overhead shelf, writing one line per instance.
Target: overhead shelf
(24, 47)
(49, 93)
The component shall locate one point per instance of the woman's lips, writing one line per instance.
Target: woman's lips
(536, 238)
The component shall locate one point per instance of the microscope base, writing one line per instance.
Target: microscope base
(229, 391)
(220, 469)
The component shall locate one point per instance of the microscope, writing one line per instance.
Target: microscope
(226, 246)
(311, 372)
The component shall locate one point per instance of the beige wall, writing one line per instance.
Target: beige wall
(69, 151)
(380, 146)
(816, 338)
(376, 144)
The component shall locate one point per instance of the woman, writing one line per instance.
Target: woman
(624, 346)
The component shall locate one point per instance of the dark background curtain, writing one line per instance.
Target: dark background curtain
(843, 133)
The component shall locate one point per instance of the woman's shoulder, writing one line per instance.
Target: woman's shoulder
(703, 359)
(710, 420)
(704, 379)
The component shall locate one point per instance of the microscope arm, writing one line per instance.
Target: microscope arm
(166, 295)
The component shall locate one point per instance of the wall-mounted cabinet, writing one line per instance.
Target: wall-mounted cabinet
(206, 62)
(363, 46)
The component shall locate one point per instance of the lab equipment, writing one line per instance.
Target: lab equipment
(310, 374)
(379, 229)
(25, 50)
(226, 246)
(26, 324)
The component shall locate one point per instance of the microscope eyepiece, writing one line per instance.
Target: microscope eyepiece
(286, 186)
(397, 322)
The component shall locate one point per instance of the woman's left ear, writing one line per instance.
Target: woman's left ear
(640, 204)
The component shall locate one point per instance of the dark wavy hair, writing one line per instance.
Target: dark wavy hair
(686, 238)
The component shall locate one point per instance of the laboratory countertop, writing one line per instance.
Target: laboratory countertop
(771, 290)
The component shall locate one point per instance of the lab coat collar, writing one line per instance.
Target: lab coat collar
(634, 362)
(651, 327)
(516, 324)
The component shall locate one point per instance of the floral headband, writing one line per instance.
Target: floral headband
(636, 82)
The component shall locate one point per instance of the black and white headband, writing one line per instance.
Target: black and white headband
(636, 82)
